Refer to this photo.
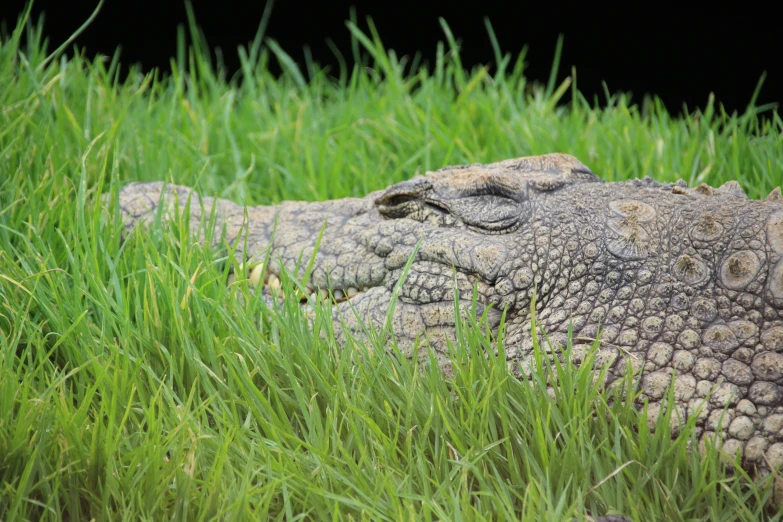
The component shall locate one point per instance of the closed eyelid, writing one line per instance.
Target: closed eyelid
(492, 188)
(490, 184)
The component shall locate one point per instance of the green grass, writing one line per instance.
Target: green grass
(134, 386)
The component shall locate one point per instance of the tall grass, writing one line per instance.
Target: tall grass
(134, 385)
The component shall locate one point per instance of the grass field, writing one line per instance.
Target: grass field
(134, 386)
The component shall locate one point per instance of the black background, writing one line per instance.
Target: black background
(681, 54)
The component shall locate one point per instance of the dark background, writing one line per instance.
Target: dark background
(681, 54)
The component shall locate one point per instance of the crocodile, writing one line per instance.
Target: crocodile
(685, 283)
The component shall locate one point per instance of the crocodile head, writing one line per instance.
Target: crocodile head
(686, 282)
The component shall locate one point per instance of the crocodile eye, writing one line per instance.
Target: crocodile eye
(482, 206)
(405, 205)
(398, 200)
(403, 199)
(410, 199)
(487, 212)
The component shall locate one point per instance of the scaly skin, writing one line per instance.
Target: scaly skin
(684, 282)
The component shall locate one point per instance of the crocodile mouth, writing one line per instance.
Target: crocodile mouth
(267, 281)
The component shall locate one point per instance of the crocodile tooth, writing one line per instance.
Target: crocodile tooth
(351, 291)
(256, 274)
(775, 196)
(324, 293)
(339, 295)
(274, 284)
